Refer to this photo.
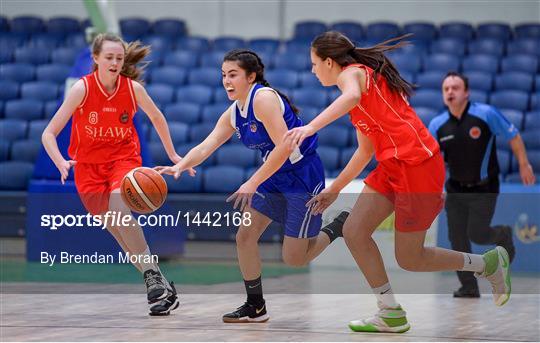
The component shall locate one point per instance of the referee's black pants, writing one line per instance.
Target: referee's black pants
(469, 211)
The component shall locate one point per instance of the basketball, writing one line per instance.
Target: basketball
(144, 190)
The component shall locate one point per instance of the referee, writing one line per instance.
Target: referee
(466, 133)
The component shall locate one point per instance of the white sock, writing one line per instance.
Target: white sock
(147, 266)
(473, 263)
(164, 279)
(385, 296)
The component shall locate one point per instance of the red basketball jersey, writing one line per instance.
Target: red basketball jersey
(391, 124)
(102, 128)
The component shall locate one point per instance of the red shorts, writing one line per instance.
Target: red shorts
(96, 181)
(415, 190)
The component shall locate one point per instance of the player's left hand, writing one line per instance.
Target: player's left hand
(294, 137)
(527, 174)
(243, 196)
(176, 159)
(322, 200)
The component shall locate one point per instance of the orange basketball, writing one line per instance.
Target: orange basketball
(144, 190)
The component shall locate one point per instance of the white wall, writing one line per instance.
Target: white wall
(257, 18)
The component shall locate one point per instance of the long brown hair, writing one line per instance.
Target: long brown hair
(251, 62)
(135, 52)
(338, 47)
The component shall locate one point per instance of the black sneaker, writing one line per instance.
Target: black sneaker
(247, 313)
(508, 242)
(156, 289)
(165, 306)
(467, 293)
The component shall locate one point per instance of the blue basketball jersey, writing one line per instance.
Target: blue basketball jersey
(252, 133)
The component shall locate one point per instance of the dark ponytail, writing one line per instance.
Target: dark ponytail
(252, 63)
(338, 47)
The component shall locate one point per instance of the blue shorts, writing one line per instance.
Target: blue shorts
(284, 195)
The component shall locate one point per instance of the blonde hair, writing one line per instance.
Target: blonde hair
(135, 53)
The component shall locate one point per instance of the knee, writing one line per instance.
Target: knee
(354, 235)
(408, 260)
(294, 260)
(245, 237)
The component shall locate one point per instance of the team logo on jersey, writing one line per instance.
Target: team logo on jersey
(93, 118)
(124, 117)
(475, 132)
(253, 127)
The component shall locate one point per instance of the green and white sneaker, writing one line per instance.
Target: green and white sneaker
(386, 320)
(497, 272)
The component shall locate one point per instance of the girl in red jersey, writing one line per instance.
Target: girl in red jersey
(409, 177)
(104, 147)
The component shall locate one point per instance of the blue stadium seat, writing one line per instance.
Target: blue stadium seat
(19, 72)
(15, 175)
(76, 41)
(309, 29)
(35, 128)
(236, 155)
(25, 150)
(309, 97)
(220, 95)
(516, 100)
(282, 78)
(532, 120)
(162, 94)
(183, 112)
(527, 30)
(9, 90)
(210, 77)
(382, 30)
(158, 153)
(134, 27)
(169, 27)
(537, 82)
(39, 90)
(407, 62)
(45, 41)
(196, 44)
(497, 30)
(27, 24)
(293, 61)
(488, 46)
(183, 149)
(57, 73)
(63, 25)
(6, 55)
(182, 58)
(345, 156)
(460, 30)
(4, 149)
(308, 113)
(308, 80)
(64, 56)
(264, 45)
(32, 55)
(503, 157)
(227, 43)
(13, 129)
(13, 40)
(450, 46)
(426, 114)
(212, 59)
(480, 81)
(423, 31)
(430, 79)
(199, 132)
(211, 113)
(186, 183)
(535, 101)
(4, 24)
(534, 159)
(441, 62)
(514, 81)
(481, 62)
(298, 46)
(25, 109)
(222, 179)
(336, 136)
(158, 42)
(352, 29)
(527, 46)
(329, 157)
(50, 108)
(524, 63)
(179, 133)
(514, 116)
(531, 138)
(427, 98)
(169, 75)
(478, 95)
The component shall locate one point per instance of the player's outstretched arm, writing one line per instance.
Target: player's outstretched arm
(73, 99)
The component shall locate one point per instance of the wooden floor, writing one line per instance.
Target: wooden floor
(293, 317)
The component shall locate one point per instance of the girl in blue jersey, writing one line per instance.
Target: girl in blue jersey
(280, 189)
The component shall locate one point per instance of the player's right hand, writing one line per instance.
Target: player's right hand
(174, 170)
(63, 168)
